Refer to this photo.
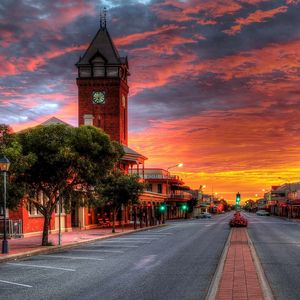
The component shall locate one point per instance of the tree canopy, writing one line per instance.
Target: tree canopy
(59, 160)
(120, 189)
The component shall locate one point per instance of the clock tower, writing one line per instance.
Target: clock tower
(102, 87)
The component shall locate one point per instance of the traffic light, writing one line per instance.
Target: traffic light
(238, 198)
(162, 207)
(184, 207)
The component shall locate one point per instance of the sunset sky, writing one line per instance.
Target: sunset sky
(214, 83)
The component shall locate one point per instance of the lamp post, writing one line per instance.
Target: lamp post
(167, 187)
(4, 167)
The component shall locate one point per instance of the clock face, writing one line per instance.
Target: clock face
(123, 101)
(98, 97)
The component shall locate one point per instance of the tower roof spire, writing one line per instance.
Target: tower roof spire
(103, 18)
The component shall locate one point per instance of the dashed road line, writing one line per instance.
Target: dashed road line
(42, 267)
(166, 229)
(98, 250)
(120, 242)
(15, 283)
(118, 246)
(73, 257)
(139, 238)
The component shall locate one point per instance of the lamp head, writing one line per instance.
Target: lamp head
(4, 164)
(180, 165)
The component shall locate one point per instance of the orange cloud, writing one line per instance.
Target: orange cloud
(186, 11)
(136, 37)
(256, 17)
(274, 57)
(19, 65)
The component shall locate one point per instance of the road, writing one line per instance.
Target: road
(173, 262)
(277, 243)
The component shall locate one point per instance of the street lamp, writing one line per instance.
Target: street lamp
(4, 167)
(179, 165)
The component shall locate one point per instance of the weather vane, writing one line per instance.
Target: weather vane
(103, 18)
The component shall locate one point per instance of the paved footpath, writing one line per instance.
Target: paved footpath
(27, 246)
(239, 280)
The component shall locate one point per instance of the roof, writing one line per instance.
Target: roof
(132, 155)
(54, 120)
(102, 46)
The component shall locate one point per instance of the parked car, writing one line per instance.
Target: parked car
(205, 215)
(262, 212)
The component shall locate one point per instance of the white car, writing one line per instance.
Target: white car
(262, 213)
(205, 215)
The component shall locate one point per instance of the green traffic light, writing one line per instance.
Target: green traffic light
(162, 207)
(184, 207)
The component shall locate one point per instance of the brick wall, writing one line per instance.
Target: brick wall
(112, 117)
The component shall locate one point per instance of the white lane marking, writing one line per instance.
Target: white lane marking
(118, 246)
(98, 250)
(138, 238)
(42, 267)
(120, 242)
(270, 222)
(207, 225)
(154, 233)
(72, 257)
(166, 229)
(15, 283)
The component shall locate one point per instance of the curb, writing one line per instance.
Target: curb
(52, 249)
(213, 288)
(266, 289)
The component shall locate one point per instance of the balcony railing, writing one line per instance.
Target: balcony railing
(13, 227)
(186, 197)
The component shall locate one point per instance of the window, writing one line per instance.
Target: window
(149, 187)
(112, 72)
(39, 197)
(62, 209)
(85, 72)
(159, 188)
(88, 120)
(99, 71)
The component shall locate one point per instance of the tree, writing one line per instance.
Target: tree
(120, 189)
(10, 147)
(62, 161)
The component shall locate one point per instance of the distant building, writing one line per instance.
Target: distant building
(172, 190)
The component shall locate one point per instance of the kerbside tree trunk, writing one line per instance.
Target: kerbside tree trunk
(47, 220)
(114, 220)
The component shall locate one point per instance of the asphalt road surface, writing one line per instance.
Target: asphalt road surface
(277, 243)
(173, 262)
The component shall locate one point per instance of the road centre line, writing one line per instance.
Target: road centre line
(72, 257)
(15, 283)
(98, 250)
(42, 267)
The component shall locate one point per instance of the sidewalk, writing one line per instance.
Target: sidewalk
(239, 280)
(28, 246)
